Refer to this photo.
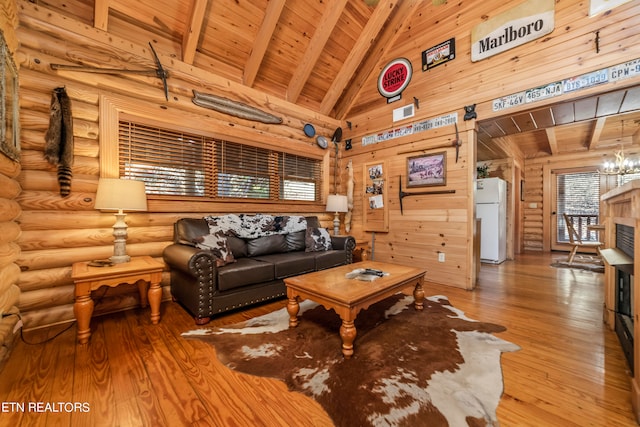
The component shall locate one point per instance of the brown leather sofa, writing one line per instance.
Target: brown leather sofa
(257, 274)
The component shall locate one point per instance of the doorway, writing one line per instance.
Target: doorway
(576, 193)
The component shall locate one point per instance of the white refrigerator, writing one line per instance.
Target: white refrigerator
(491, 208)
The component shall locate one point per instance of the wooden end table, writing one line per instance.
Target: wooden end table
(347, 297)
(139, 270)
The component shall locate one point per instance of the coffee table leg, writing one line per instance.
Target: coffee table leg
(293, 307)
(348, 334)
(418, 296)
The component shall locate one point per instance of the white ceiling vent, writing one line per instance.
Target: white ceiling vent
(404, 112)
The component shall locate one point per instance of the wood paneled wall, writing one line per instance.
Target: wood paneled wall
(434, 220)
(539, 210)
(9, 211)
(58, 231)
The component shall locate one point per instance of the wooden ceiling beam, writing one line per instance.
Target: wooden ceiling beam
(383, 44)
(314, 50)
(552, 140)
(192, 32)
(598, 126)
(101, 14)
(369, 33)
(269, 24)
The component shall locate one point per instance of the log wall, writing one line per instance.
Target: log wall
(58, 231)
(9, 211)
(436, 222)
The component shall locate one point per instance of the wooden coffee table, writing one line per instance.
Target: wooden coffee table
(347, 297)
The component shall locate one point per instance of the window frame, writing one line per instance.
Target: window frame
(113, 110)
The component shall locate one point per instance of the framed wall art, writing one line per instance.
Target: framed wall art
(9, 122)
(427, 170)
(376, 197)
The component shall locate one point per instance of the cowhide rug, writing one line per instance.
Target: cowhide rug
(434, 367)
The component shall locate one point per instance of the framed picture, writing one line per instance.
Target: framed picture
(427, 170)
(9, 124)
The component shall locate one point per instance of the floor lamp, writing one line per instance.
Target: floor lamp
(120, 195)
(336, 203)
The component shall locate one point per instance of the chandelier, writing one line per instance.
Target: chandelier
(621, 165)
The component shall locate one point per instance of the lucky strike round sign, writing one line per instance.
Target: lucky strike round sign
(395, 77)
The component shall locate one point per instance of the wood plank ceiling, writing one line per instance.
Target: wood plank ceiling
(604, 121)
(307, 52)
(319, 53)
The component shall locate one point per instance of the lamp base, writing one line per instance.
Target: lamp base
(119, 259)
(120, 240)
(336, 224)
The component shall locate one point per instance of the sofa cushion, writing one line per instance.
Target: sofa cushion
(187, 231)
(238, 246)
(290, 263)
(245, 271)
(328, 259)
(296, 241)
(317, 239)
(217, 244)
(267, 245)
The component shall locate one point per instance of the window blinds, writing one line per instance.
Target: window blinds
(184, 164)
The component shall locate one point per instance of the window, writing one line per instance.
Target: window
(578, 195)
(176, 163)
(623, 179)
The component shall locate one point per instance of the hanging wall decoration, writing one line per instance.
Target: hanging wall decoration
(394, 78)
(438, 55)
(427, 170)
(9, 122)
(58, 148)
(235, 108)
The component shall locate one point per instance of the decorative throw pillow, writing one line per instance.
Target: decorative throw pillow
(218, 245)
(317, 239)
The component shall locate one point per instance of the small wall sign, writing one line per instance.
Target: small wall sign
(437, 55)
(598, 6)
(524, 23)
(395, 78)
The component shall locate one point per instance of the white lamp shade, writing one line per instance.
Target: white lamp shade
(117, 194)
(337, 203)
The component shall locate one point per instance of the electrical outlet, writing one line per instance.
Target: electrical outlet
(440, 256)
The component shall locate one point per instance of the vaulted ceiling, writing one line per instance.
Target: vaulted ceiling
(313, 53)
(319, 53)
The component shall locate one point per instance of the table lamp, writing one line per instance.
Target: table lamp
(336, 203)
(120, 195)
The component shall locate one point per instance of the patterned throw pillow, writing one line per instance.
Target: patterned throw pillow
(216, 243)
(317, 239)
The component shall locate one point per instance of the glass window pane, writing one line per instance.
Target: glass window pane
(578, 195)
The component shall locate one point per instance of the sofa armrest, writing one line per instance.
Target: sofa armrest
(188, 258)
(345, 243)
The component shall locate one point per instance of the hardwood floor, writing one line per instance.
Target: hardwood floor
(570, 371)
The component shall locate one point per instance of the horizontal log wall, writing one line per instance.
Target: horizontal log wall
(58, 231)
(567, 52)
(9, 211)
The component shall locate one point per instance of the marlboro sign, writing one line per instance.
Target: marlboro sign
(524, 23)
